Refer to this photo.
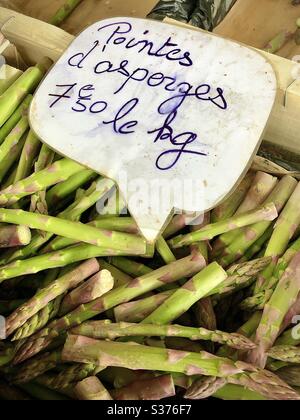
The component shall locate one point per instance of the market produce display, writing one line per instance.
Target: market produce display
(93, 311)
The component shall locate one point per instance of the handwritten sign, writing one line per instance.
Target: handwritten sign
(174, 116)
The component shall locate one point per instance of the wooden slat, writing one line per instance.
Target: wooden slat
(88, 12)
(256, 22)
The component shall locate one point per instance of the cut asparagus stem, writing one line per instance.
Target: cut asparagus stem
(8, 75)
(64, 12)
(76, 231)
(275, 311)
(285, 354)
(105, 329)
(227, 209)
(133, 356)
(12, 236)
(24, 85)
(266, 213)
(100, 284)
(185, 297)
(258, 245)
(153, 389)
(91, 389)
(120, 278)
(171, 273)
(39, 181)
(44, 296)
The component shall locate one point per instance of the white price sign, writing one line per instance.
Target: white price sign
(174, 116)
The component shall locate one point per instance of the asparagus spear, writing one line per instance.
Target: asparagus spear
(100, 284)
(91, 389)
(290, 375)
(62, 258)
(39, 181)
(75, 230)
(275, 311)
(168, 274)
(164, 251)
(288, 354)
(30, 150)
(36, 367)
(153, 389)
(133, 356)
(185, 297)
(20, 112)
(280, 195)
(266, 213)
(44, 296)
(138, 310)
(130, 267)
(278, 42)
(284, 230)
(69, 375)
(227, 209)
(38, 321)
(105, 329)
(205, 387)
(24, 85)
(205, 314)
(236, 392)
(64, 12)
(262, 186)
(59, 192)
(259, 300)
(12, 236)
(73, 212)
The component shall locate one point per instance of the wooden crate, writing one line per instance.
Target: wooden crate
(253, 22)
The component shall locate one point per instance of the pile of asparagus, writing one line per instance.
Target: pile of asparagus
(94, 312)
